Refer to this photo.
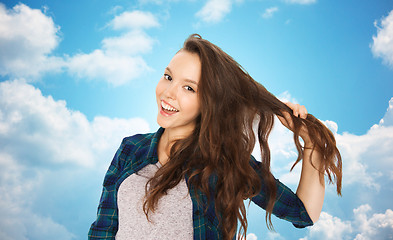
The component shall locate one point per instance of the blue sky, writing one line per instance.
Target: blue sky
(78, 76)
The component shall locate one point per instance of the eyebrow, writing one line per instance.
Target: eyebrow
(191, 81)
(187, 80)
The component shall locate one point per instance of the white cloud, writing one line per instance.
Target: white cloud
(18, 187)
(329, 227)
(286, 97)
(274, 236)
(304, 2)
(332, 126)
(101, 65)
(250, 236)
(382, 45)
(368, 157)
(131, 43)
(134, 20)
(387, 120)
(120, 58)
(362, 227)
(46, 152)
(378, 226)
(159, 2)
(214, 10)
(269, 12)
(30, 121)
(27, 38)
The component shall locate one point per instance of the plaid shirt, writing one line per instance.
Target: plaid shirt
(140, 150)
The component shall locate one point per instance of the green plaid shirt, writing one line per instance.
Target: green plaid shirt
(140, 150)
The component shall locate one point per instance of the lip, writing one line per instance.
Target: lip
(165, 113)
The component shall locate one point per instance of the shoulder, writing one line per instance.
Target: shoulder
(131, 149)
(254, 163)
(136, 143)
(138, 139)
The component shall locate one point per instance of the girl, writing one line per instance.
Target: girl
(189, 179)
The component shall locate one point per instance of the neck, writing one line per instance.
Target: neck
(168, 138)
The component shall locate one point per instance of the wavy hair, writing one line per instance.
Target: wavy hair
(223, 140)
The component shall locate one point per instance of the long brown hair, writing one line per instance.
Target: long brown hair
(223, 140)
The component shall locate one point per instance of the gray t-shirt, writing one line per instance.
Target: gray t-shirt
(172, 218)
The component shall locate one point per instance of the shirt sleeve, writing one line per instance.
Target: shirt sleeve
(106, 224)
(288, 206)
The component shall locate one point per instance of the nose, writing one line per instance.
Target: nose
(171, 90)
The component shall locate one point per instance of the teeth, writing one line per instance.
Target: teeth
(168, 107)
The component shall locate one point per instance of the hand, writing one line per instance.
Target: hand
(298, 111)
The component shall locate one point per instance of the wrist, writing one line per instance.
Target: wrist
(309, 145)
(312, 147)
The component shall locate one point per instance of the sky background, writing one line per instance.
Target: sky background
(78, 76)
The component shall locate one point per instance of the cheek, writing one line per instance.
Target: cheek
(159, 88)
(192, 105)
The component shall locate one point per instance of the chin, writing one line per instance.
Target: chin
(161, 123)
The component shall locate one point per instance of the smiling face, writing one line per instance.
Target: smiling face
(176, 93)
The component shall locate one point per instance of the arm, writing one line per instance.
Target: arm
(311, 188)
(287, 206)
(106, 224)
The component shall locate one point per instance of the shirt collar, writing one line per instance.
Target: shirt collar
(152, 155)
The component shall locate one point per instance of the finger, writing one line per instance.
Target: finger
(303, 112)
(286, 120)
(296, 110)
(293, 107)
(289, 104)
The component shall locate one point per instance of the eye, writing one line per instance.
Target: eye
(188, 88)
(167, 77)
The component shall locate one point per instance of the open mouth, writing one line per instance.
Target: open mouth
(165, 107)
